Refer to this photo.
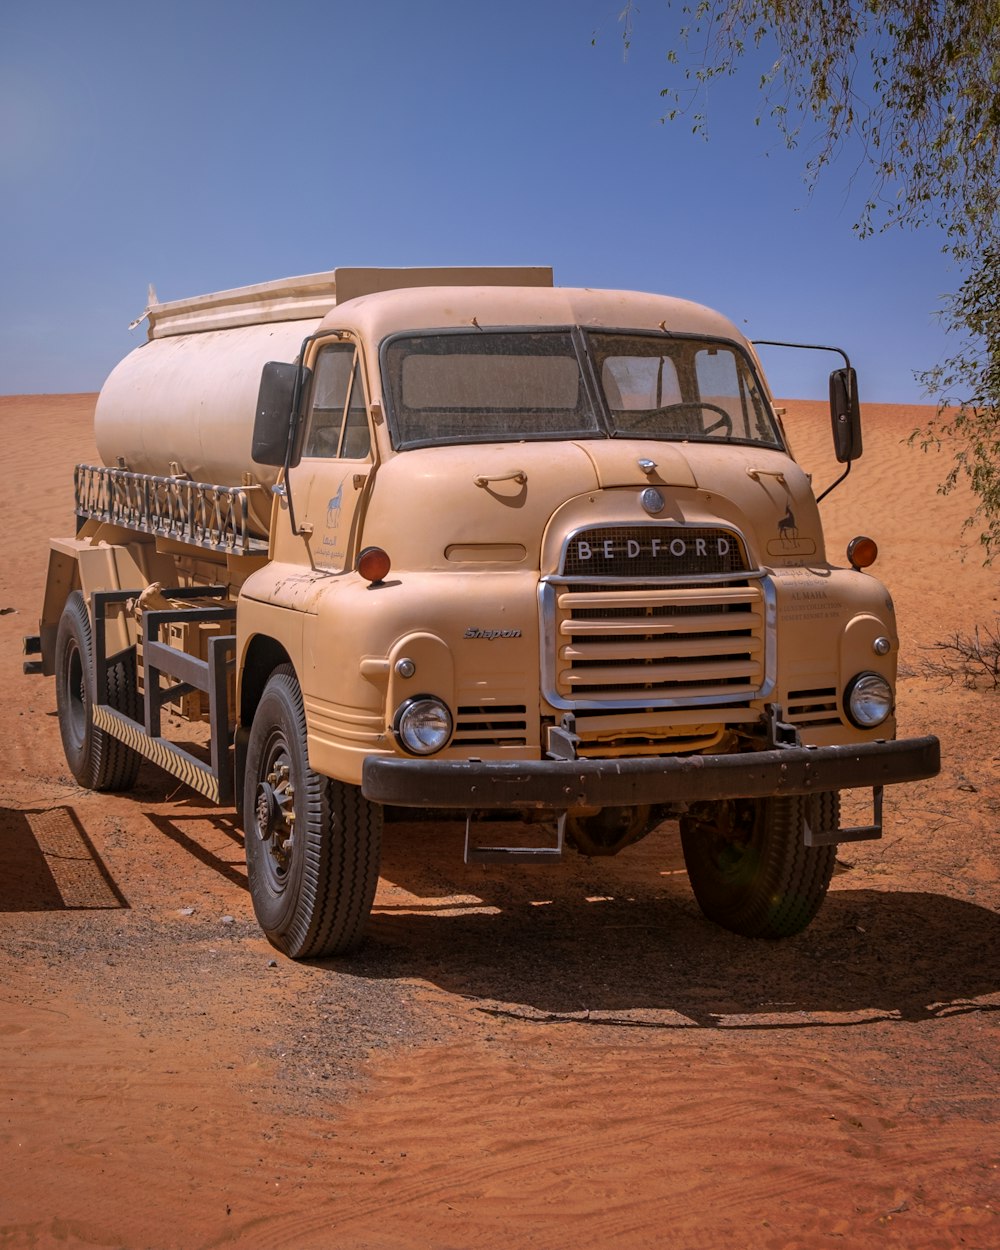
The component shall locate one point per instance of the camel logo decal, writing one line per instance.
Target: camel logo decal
(788, 531)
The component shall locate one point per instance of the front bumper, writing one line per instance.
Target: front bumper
(558, 785)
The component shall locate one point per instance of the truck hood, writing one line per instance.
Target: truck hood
(490, 504)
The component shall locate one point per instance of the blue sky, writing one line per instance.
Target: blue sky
(209, 144)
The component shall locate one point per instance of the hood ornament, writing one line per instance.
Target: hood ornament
(647, 466)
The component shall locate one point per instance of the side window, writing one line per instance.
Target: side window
(338, 419)
(357, 440)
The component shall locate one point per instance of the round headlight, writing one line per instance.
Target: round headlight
(868, 700)
(423, 725)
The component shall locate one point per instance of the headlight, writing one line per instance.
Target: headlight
(868, 700)
(423, 725)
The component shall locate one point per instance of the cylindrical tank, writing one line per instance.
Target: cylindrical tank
(190, 400)
(186, 404)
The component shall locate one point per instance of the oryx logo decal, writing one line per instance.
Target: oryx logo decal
(788, 531)
(333, 509)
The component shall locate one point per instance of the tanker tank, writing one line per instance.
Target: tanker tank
(183, 404)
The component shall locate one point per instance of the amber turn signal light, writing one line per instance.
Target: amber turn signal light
(862, 552)
(374, 565)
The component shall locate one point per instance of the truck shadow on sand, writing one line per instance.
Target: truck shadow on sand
(188, 830)
(627, 945)
(49, 863)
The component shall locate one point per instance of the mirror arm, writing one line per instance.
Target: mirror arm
(815, 347)
(293, 430)
(809, 347)
(820, 498)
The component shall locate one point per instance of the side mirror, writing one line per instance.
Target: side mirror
(281, 385)
(845, 415)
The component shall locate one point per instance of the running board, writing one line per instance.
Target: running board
(168, 755)
(515, 854)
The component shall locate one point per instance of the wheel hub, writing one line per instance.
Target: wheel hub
(268, 810)
(275, 814)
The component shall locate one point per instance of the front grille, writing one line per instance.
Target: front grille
(656, 636)
(653, 551)
(491, 726)
(638, 643)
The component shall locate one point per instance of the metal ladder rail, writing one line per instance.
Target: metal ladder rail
(215, 780)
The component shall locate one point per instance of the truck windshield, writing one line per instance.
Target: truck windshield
(486, 386)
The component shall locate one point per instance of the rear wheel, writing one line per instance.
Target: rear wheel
(96, 759)
(749, 867)
(312, 843)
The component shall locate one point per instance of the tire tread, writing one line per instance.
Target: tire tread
(102, 761)
(784, 882)
(341, 854)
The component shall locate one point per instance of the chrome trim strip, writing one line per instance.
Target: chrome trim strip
(682, 579)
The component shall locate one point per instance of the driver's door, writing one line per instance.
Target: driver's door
(337, 456)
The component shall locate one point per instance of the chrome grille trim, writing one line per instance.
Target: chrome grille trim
(687, 676)
(702, 580)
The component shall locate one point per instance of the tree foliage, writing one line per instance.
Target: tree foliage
(908, 92)
(968, 388)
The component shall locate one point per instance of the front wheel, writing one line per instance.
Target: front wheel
(748, 864)
(312, 843)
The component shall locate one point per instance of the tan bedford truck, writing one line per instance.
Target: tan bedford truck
(460, 542)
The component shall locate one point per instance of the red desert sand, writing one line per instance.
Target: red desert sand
(568, 1056)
